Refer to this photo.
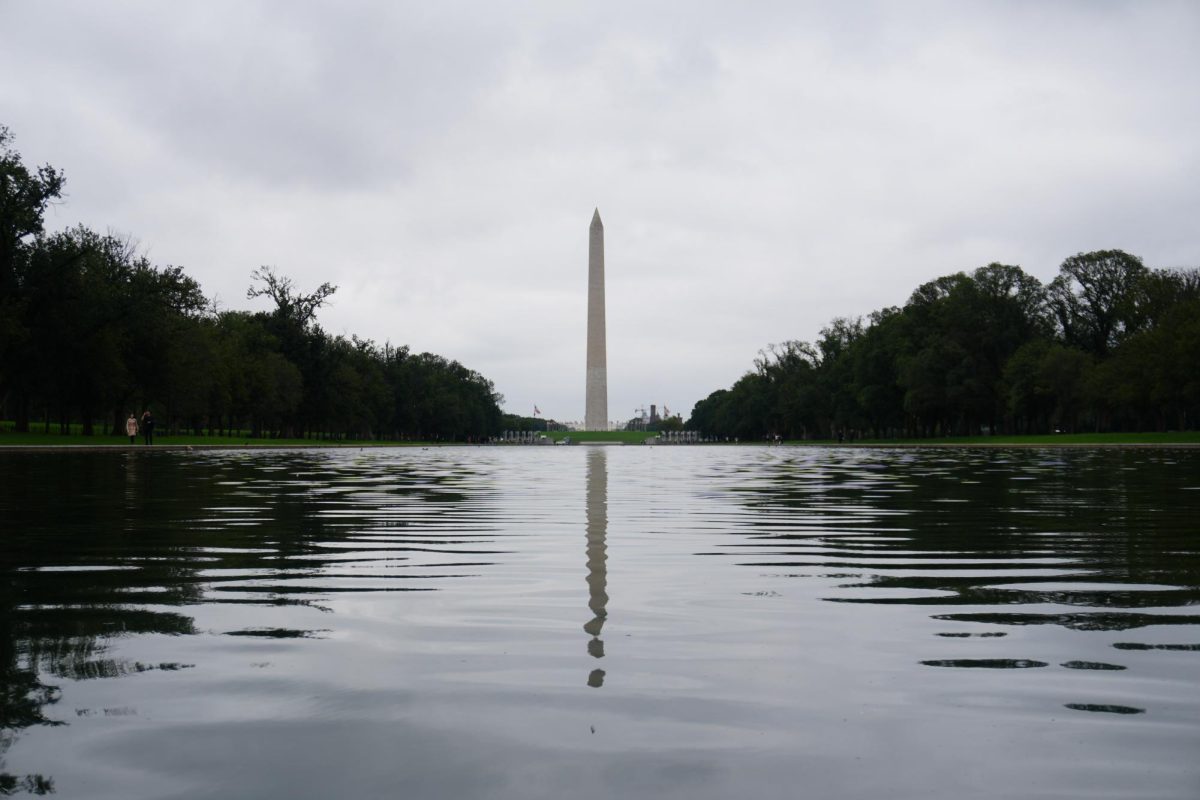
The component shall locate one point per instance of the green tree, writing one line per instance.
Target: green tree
(24, 196)
(1094, 298)
(1046, 386)
(874, 366)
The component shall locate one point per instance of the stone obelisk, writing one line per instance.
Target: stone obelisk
(595, 416)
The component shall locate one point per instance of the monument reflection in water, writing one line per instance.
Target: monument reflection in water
(597, 556)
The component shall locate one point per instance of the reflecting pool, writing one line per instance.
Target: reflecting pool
(597, 622)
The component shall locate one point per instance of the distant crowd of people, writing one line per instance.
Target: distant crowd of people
(132, 426)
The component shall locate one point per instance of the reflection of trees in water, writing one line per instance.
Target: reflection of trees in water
(953, 524)
(96, 544)
(597, 556)
(23, 696)
(70, 511)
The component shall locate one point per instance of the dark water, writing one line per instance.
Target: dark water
(583, 622)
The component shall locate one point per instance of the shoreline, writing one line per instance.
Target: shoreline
(175, 448)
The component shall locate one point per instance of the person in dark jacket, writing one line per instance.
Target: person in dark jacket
(148, 426)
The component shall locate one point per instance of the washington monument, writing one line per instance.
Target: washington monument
(595, 416)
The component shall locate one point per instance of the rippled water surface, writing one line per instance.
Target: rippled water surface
(598, 622)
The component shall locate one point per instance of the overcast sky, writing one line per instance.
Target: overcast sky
(761, 168)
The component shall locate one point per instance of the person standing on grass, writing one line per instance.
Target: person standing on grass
(131, 428)
(148, 426)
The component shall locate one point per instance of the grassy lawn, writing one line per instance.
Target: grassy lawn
(1183, 437)
(99, 440)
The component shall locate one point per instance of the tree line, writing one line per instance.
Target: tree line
(1107, 345)
(91, 330)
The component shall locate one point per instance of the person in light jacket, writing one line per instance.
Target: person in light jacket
(131, 428)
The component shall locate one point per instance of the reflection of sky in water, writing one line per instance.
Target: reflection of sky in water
(345, 623)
